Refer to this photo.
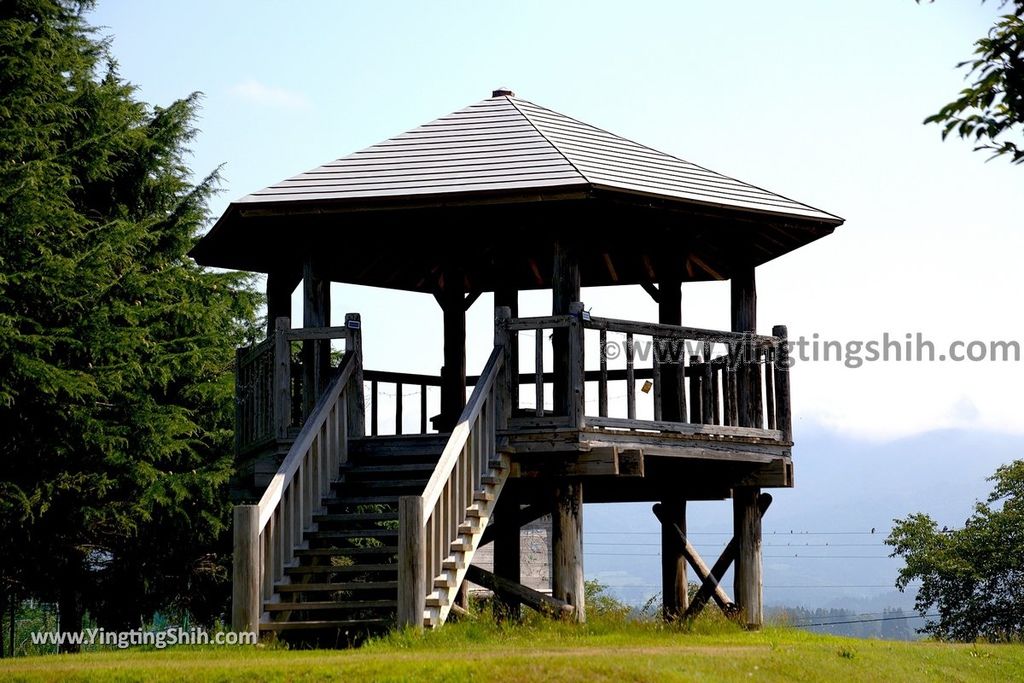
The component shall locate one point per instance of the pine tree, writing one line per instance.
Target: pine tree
(116, 349)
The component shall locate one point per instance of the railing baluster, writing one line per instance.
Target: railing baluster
(398, 408)
(602, 382)
(538, 372)
(706, 408)
(696, 404)
(630, 379)
(423, 409)
(656, 378)
(374, 404)
(769, 386)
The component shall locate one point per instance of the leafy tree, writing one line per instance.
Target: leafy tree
(116, 349)
(973, 577)
(991, 109)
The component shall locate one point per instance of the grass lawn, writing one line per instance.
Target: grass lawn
(602, 651)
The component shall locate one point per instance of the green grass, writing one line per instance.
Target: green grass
(608, 649)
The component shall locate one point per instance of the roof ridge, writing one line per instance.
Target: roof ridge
(658, 152)
(511, 100)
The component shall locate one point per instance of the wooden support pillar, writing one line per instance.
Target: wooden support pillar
(280, 285)
(507, 551)
(508, 296)
(670, 374)
(565, 289)
(567, 546)
(245, 580)
(452, 299)
(744, 319)
(748, 587)
(316, 312)
(674, 586)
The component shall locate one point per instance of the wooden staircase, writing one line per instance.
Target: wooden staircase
(344, 581)
(355, 535)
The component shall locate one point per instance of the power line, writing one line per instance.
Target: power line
(767, 557)
(765, 545)
(781, 587)
(877, 532)
(864, 621)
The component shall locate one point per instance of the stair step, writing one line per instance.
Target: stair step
(467, 528)
(424, 467)
(330, 587)
(326, 624)
(344, 518)
(435, 601)
(488, 480)
(485, 496)
(328, 605)
(375, 532)
(474, 512)
(303, 570)
(405, 444)
(347, 552)
(496, 464)
(442, 582)
(360, 500)
(451, 564)
(461, 547)
(411, 484)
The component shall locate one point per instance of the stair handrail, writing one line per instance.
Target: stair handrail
(428, 523)
(266, 535)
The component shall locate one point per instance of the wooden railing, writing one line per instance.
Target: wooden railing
(736, 381)
(266, 535)
(727, 379)
(395, 384)
(276, 386)
(429, 523)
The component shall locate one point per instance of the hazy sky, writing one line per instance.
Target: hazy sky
(819, 101)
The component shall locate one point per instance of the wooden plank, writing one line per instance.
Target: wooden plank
(404, 377)
(374, 408)
(672, 331)
(453, 374)
(317, 333)
(545, 604)
(548, 322)
(630, 462)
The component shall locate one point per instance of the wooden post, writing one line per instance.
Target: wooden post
(783, 409)
(565, 289)
(508, 378)
(670, 300)
(316, 355)
(508, 296)
(356, 398)
(412, 563)
(674, 586)
(280, 285)
(282, 378)
(507, 550)
(567, 546)
(245, 580)
(748, 587)
(577, 378)
(743, 292)
(453, 374)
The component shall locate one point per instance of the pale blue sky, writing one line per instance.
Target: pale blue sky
(820, 101)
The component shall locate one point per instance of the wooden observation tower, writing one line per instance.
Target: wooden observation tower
(356, 531)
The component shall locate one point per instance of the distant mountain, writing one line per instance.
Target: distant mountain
(819, 551)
